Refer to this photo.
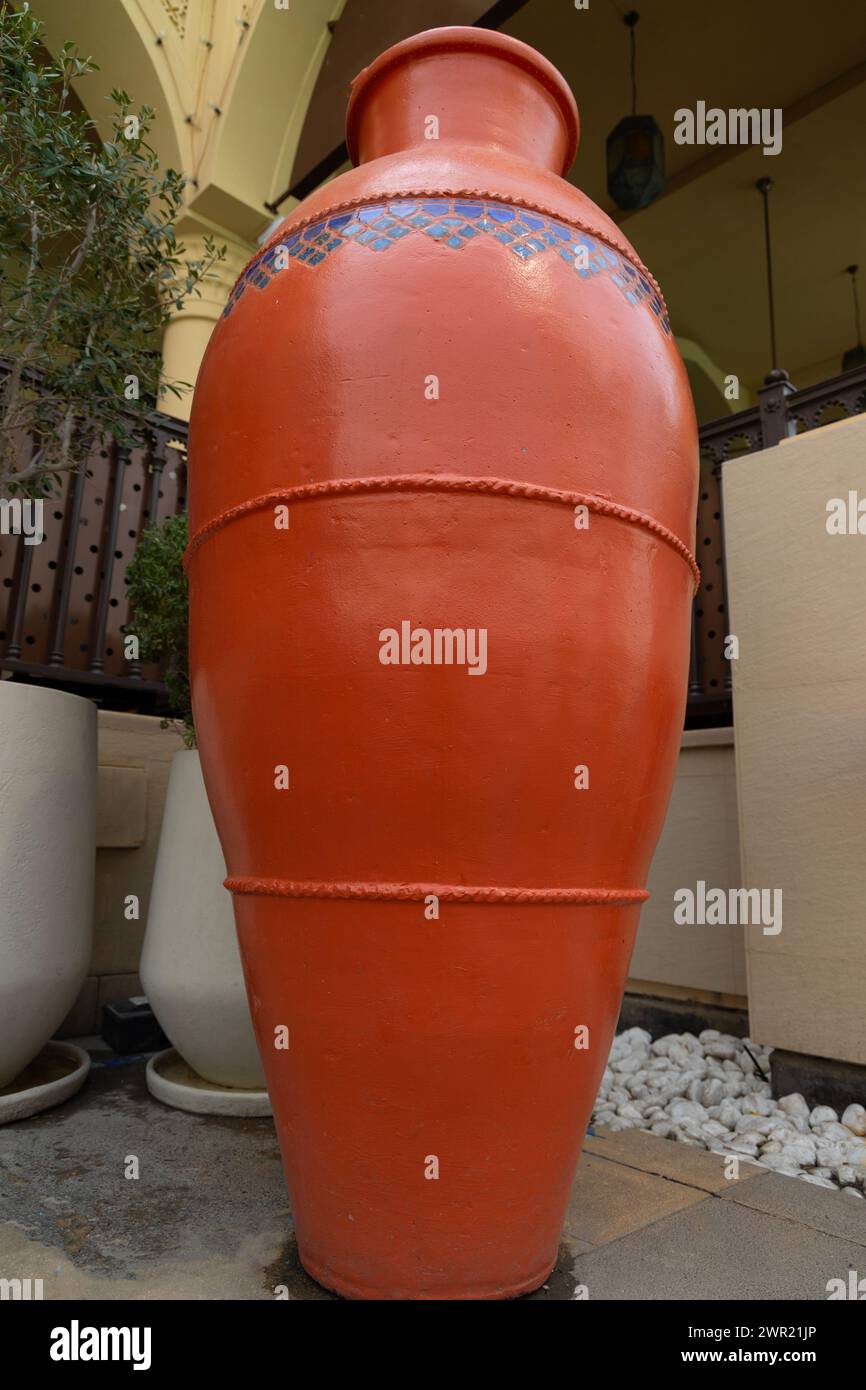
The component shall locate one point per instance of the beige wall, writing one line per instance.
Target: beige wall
(699, 841)
(797, 601)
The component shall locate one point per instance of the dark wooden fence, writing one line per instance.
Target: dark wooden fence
(63, 603)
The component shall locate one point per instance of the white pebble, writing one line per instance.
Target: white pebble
(829, 1155)
(745, 1144)
(758, 1104)
(663, 1128)
(801, 1150)
(846, 1175)
(753, 1124)
(794, 1105)
(686, 1109)
(854, 1118)
(777, 1163)
(629, 1112)
(855, 1153)
(711, 1092)
(628, 1065)
(822, 1115)
(715, 1129)
(729, 1113)
(683, 1136)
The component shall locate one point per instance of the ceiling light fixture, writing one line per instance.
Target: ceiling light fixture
(635, 148)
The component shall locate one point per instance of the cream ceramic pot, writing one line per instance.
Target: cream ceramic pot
(47, 853)
(190, 965)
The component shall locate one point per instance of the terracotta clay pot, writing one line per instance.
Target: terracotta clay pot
(443, 488)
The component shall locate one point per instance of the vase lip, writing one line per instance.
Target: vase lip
(460, 38)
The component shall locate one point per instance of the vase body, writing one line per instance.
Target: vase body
(47, 858)
(190, 967)
(443, 480)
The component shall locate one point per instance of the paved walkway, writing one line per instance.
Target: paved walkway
(208, 1217)
(653, 1219)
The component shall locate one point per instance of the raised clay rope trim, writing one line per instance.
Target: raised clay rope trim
(443, 482)
(446, 892)
(511, 201)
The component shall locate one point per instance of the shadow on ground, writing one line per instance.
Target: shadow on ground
(116, 1196)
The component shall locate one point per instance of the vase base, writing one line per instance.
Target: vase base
(54, 1075)
(173, 1081)
(485, 1293)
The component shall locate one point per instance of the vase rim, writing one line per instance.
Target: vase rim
(459, 38)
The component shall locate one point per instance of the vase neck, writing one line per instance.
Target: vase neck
(463, 86)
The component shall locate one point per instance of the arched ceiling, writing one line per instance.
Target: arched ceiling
(232, 82)
(229, 80)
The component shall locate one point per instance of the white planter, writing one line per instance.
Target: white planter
(190, 964)
(47, 855)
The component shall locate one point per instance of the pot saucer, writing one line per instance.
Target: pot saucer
(173, 1081)
(55, 1074)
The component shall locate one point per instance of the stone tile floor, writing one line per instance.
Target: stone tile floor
(208, 1215)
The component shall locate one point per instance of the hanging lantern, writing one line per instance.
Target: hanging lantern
(855, 356)
(635, 149)
(635, 162)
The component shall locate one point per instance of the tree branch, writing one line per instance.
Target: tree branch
(14, 390)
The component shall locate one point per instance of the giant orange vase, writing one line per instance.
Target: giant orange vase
(443, 471)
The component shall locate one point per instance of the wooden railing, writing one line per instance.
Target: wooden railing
(63, 603)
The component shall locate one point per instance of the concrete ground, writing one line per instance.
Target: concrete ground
(208, 1217)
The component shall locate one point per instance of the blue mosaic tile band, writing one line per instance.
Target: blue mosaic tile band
(453, 222)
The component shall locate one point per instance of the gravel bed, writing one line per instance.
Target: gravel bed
(713, 1091)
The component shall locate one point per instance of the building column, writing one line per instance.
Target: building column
(186, 336)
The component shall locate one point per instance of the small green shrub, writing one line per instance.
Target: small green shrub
(159, 601)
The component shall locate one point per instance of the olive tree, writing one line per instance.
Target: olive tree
(90, 268)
